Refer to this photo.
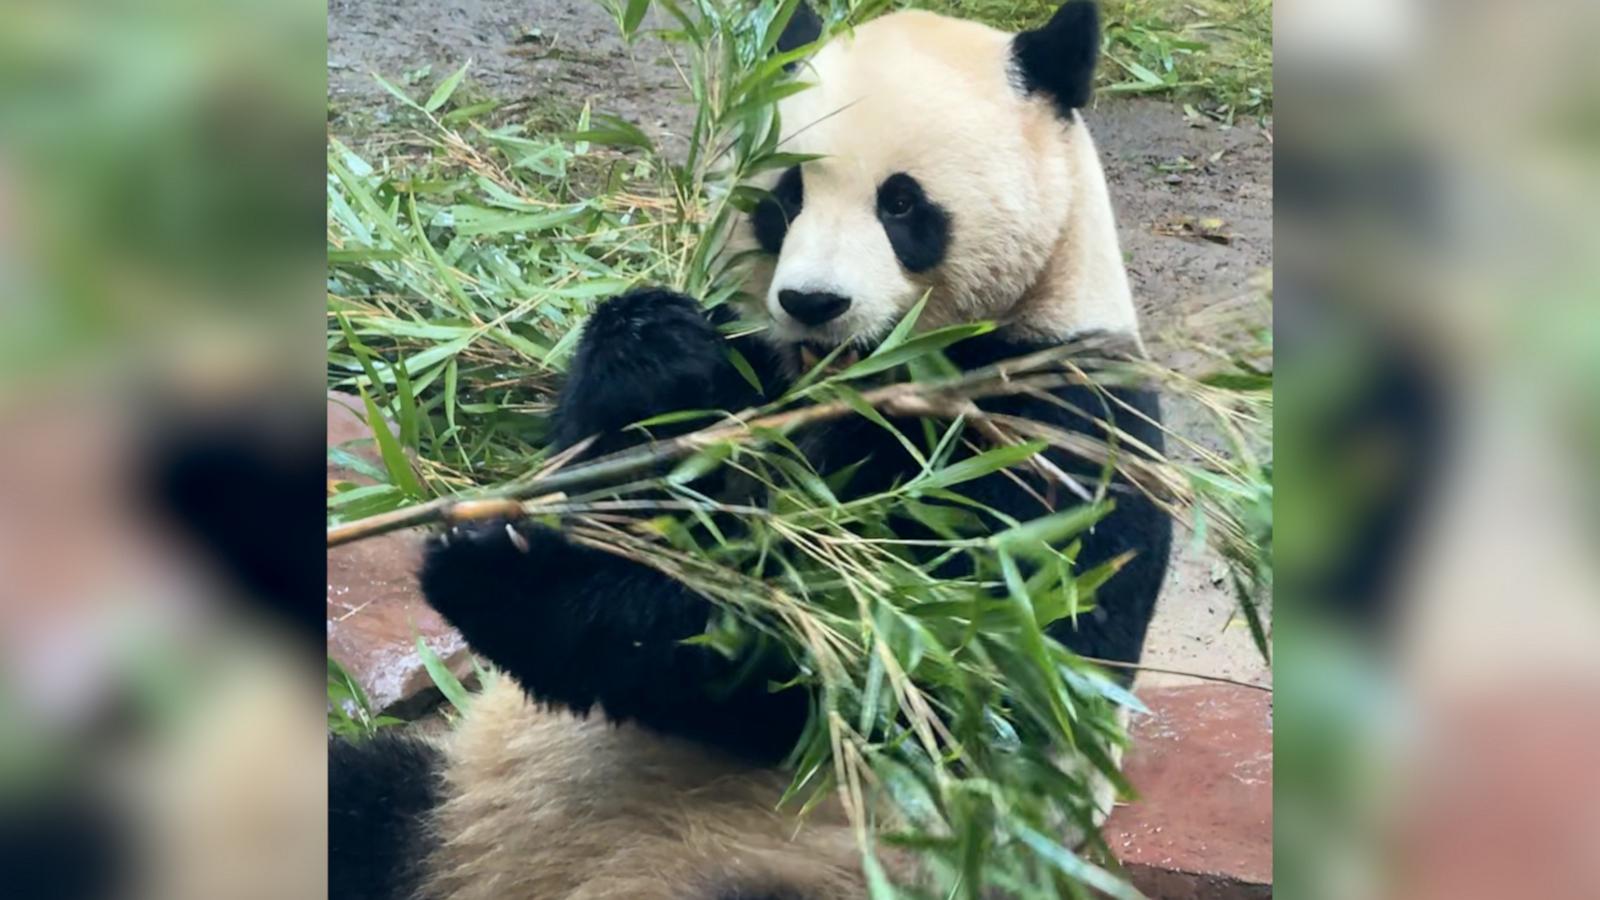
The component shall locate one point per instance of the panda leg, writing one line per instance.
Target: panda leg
(379, 792)
(579, 627)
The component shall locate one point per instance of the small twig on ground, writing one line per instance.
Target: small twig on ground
(1140, 667)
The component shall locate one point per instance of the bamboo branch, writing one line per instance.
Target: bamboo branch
(947, 398)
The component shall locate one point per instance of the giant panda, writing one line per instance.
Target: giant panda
(951, 161)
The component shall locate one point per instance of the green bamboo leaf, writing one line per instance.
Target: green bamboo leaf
(632, 16)
(477, 220)
(1032, 643)
(700, 464)
(1046, 532)
(919, 346)
(612, 131)
(399, 94)
(450, 378)
(866, 410)
(361, 256)
(444, 679)
(903, 328)
(1238, 381)
(745, 370)
(364, 356)
(435, 354)
(467, 113)
(394, 458)
(776, 25)
(338, 456)
(364, 500)
(405, 407)
(672, 418)
(985, 463)
(1074, 866)
(1143, 74)
(803, 476)
(451, 283)
(770, 161)
(441, 94)
(1093, 682)
(879, 887)
(816, 372)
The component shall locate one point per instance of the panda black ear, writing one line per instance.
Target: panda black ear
(803, 28)
(1058, 59)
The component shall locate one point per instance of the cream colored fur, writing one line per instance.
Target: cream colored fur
(542, 805)
(1034, 242)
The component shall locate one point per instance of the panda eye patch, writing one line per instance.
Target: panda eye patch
(918, 228)
(774, 212)
(899, 195)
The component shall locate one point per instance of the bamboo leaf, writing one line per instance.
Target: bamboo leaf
(394, 458)
(632, 16)
(441, 94)
(1042, 534)
(444, 679)
(985, 463)
(921, 345)
(1074, 866)
(402, 96)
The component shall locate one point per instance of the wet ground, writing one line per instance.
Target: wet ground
(1194, 201)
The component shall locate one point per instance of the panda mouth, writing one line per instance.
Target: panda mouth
(812, 353)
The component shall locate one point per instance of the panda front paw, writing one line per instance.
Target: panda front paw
(470, 568)
(642, 354)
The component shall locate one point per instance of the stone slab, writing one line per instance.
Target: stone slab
(375, 608)
(1202, 826)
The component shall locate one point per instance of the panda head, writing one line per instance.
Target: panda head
(950, 161)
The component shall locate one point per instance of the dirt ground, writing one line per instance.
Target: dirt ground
(1170, 177)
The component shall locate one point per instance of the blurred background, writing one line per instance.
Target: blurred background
(161, 266)
(1438, 316)
(161, 508)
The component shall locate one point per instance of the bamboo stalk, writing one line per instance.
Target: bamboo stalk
(947, 399)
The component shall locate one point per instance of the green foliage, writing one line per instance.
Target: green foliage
(445, 680)
(350, 713)
(948, 722)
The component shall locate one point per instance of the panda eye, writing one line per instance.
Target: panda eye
(898, 196)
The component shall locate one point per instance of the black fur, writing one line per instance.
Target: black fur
(772, 216)
(65, 843)
(1059, 58)
(380, 791)
(918, 228)
(577, 626)
(642, 354)
(248, 487)
(803, 28)
(1115, 628)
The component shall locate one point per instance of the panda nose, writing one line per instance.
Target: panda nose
(813, 307)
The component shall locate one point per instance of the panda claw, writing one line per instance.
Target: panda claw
(517, 540)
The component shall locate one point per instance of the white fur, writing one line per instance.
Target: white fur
(1033, 241)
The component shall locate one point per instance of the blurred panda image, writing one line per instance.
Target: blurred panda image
(608, 758)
